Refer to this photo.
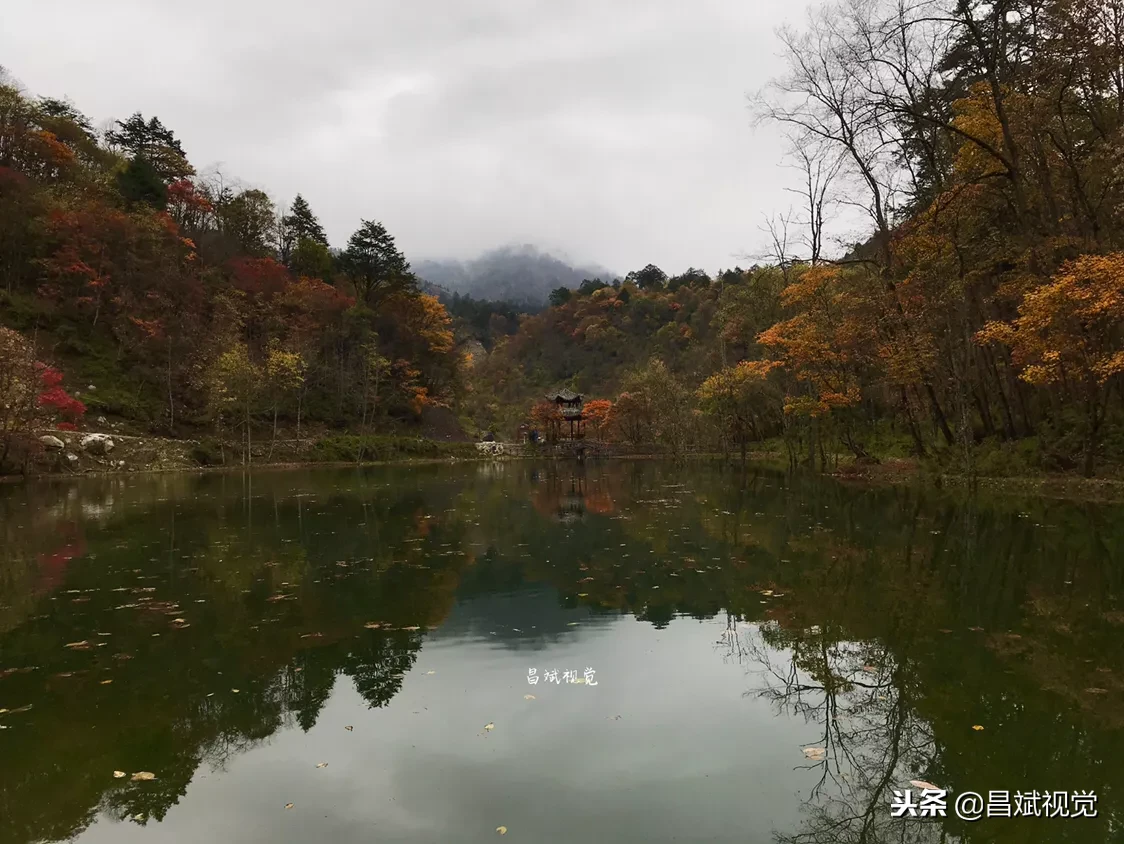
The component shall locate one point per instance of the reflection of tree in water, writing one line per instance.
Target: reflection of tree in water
(870, 737)
(378, 665)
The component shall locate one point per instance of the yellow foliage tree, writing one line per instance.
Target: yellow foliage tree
(1070, 333)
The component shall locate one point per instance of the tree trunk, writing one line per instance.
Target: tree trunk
(171, 403)
(1092, 421)
(938, 415)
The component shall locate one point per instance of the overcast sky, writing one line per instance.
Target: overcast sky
(608, 131)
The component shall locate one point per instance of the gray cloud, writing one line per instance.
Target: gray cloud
(613, 132)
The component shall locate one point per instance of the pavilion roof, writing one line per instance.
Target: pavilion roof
(563, 395)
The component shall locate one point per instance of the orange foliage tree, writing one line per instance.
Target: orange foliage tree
(597, 414)
(547, 418)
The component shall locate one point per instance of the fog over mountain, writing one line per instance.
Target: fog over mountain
(519, 274)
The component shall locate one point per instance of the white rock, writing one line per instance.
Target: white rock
(51, 442)
(97, 444)
(71, 458)
(120, 463)
(102, 420)
(90, 387)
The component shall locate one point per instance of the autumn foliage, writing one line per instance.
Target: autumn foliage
(194, 303)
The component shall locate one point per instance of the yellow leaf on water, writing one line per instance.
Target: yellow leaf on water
(431, 672)
(489, 726)
(977, 727)
(321, 764)
(411, 629)
(923, 784)
(288, 805)
(235, 691)
(373, 625)
(143, 776)
(502, 830)
(118, 774)
(815, 753)
(528, 697)
(106, 682)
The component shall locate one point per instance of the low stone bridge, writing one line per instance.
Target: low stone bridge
(564, 450)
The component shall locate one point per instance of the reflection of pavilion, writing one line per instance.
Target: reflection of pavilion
(559, 497)
(571, 507)
(569, 497)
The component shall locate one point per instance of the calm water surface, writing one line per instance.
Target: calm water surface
(231, 634)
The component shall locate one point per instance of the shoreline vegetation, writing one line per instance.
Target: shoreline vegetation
(152, 455)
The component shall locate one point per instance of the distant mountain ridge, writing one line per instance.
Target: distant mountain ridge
(522, 275)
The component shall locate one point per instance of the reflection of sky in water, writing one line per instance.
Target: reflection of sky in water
(690, 757)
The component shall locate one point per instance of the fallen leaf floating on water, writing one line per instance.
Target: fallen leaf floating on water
(235, 691)
(118, 774)
(411, 629)
(976, 629)
(321, 764)
(106, 682)
(1095, 691)
(977, 727)
(349, 729)
(139, 817)
(815, 753)
(431, 672)
(923, 784)
(528, 697)
(489, 726)
(288, 805)
(870, 669)
(373, 625)
(502, 830)
(79, 646)
(143, 776)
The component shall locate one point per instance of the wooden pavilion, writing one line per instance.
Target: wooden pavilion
(570, 407)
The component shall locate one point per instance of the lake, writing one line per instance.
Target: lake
(617, 652)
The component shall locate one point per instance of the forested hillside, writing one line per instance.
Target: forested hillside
(179, 303)
(522, 275)
(981, 320)
(977, 318)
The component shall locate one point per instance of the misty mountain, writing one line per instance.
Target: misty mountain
(519, 274)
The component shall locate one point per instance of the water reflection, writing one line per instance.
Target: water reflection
(175, 623)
